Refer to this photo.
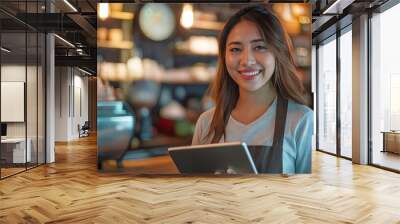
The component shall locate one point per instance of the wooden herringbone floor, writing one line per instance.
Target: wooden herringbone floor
(72, 191)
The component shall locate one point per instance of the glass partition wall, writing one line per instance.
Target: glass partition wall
(385, 89)
(346, 92)
(327, 96)
(13, 84)
(22, 77)
(334, 94)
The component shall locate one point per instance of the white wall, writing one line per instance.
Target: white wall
(62, 81)
(71, 93)
(33, 126)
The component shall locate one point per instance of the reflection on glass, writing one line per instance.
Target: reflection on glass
(13, 71)
(327, 97)
(385, 85)
(23, 90)
(346, 94)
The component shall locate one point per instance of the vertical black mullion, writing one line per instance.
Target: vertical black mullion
(73, 92)
(369, 90)
(45, 94)
(37, 89)
(45, 88)
(59, 78)
(69, 93)
(338, 97)
(26, 86)
(317, 96)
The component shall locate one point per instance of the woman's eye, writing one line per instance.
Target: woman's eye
(260, 47)
(234, 49)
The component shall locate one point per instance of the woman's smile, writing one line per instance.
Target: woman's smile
(249, 74)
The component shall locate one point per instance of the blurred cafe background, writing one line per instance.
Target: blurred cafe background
(155, 63)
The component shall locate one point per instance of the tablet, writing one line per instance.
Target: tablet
(213, 158)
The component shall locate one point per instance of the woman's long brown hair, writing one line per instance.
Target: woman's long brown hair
(285, 79)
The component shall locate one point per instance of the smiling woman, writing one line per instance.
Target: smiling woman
(259, 97)
(248, 60)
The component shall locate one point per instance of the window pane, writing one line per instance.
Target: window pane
(327, 97)
(346, 94)
(385, 85)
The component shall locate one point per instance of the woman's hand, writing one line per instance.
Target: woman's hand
(230, 170)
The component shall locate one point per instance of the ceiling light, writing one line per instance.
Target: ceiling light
(338, 6)
(84, 71)
(65, 41)
(70, 5)
(5, 49)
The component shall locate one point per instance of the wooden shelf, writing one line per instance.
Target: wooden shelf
(208, 25)
(185, 82)
(122, 15)
(118, 45)
(190, 53)
(170, 81)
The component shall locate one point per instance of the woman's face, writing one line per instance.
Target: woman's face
(249, 61)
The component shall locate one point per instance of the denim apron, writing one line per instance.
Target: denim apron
(268, 159)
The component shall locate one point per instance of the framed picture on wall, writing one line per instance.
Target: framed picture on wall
(12, 101)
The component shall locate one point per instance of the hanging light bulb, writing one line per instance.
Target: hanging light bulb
(103, 11)
(187, 16)
(298, 9)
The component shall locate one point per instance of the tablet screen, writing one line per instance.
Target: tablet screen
(213, 158)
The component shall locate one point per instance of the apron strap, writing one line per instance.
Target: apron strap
(273, 164)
